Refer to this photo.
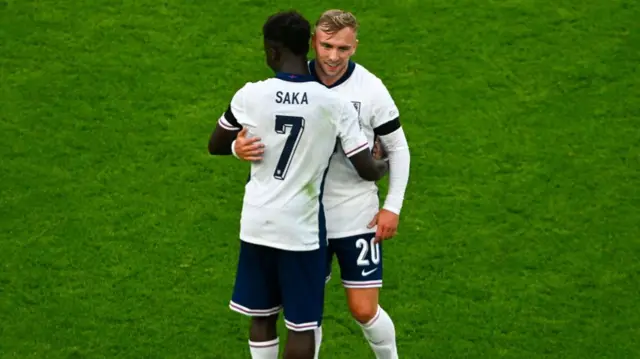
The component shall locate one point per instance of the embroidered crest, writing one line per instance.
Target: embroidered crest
(357, 105)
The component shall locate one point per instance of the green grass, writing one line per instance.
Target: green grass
(520, 235)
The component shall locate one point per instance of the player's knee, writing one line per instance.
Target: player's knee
(263, 328)
(363, 311)
(300, 345)
(363, 303)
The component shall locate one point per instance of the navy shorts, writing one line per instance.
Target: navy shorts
(359, 258)
(269, 280)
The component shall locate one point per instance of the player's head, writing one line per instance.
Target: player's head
(286, 37)
(335, 41)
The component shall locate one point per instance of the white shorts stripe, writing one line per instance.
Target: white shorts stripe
(300, 327)
(253, 312)
(362, 284)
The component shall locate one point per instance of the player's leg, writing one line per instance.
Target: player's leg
(361, 267)
(379, 329)
(302, 283)
(263, 337)
(256, 294)
(318, 330)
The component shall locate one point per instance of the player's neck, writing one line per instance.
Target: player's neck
(328, 80)
(295, 67)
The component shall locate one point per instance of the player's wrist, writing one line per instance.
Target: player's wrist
(233, 149)
(392, 209)
(393, 204)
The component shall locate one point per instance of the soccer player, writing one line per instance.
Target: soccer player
(283, 237)
(355, 223)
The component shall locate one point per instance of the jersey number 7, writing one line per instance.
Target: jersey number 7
(296, 127)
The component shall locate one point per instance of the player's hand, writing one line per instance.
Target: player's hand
(248, 149)
(387, 222)
(378, 151)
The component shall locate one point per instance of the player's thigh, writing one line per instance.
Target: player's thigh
(302, 285)
(360, 260)
(256, 289)
(329, 262)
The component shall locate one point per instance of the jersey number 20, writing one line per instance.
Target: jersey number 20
(368, 247)
(296, 127)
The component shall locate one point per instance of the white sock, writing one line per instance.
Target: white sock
(381, 334)
(265, 350)
(318, 335)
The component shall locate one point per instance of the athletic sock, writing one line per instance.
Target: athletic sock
(318, 335)
(265, 350)
(381, 334)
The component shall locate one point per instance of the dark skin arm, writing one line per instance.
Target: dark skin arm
(367, 167)
(220, 141)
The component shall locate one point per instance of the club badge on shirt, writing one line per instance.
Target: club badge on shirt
(357, 105)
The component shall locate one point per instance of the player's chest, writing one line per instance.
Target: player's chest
(363, 105)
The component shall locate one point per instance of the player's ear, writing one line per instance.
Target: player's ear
(271, 51)
(277, 56)
(273, 55)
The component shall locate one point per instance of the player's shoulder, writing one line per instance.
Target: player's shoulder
(275, 82)
(257, 88)
(368, 80)
(365, 75)
(257, 85)
(334, 99)
(326, 95)
(245, 90)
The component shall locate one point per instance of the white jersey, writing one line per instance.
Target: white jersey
(351, 202)
(298, 120)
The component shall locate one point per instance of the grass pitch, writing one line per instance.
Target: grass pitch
(520, 235)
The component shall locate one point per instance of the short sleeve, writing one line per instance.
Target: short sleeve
(385, 109)
(351, 136)
(236, 114)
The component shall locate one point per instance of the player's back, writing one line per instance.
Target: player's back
(297, 121)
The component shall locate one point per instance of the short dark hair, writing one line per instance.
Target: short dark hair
(290, 30)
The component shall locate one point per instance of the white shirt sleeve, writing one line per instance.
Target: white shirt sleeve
(395, 144)
(385, 109)
(236, 114)
(351, 136)
(386, 125)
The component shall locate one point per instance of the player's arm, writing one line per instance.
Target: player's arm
(367, 167)
(356, 147)
(224, 134)
(387, 127)
(229, 125)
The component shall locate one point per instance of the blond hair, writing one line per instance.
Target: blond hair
(334, 20)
